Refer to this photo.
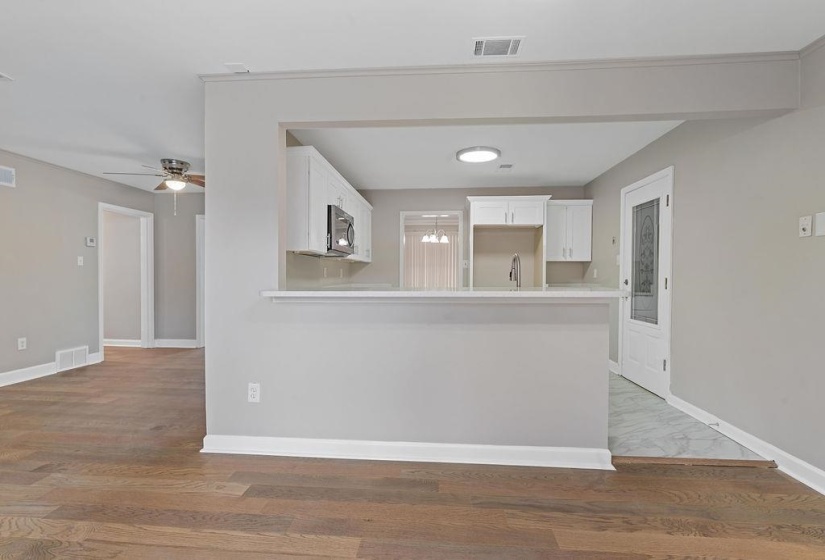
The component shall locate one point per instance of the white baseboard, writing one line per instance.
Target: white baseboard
(27, 374)
(614, 367)
(795, 467)
(565, 457)
(175, 343)
(36, 372)
(126, 343)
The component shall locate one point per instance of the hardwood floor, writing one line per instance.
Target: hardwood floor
(103, 462)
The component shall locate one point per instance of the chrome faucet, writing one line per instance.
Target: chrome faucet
(515, 270)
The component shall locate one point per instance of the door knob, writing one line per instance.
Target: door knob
(625, 281)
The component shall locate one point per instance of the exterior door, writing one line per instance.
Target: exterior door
(647, 208)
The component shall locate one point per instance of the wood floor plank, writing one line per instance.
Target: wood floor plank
(104, 462)
(731, 548)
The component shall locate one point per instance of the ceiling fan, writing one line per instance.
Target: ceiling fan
(175, 175)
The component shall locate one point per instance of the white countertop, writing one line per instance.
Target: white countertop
(549, 295)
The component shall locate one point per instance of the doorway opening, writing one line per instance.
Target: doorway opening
(126, 278)
(431, 250)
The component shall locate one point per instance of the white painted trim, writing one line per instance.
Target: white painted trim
(27, 374)
(404, 213)
(511, 67)
(95, 358)
(147, 272)
(562, 457)
(176, 343)
(794, 467)
(614, 367)
(200, 280)
(126, 343)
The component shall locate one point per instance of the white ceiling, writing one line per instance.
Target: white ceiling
(550, 155)
(103, 85)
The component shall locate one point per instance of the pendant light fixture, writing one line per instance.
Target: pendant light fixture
(435, 235)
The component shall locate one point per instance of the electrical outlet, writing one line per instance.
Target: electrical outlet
(79, 261)
(254, 392)
(595, 273)
(805, 226)
(22, 343)
(325, 272)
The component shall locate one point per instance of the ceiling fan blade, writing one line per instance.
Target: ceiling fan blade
(161, 187)
(198, 180)
(146, 174)
(153, 168)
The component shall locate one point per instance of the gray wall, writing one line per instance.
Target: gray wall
(387, 206)
(175, 265)
(245, 233)
(120, 247)
(747, 291)
(44, 295)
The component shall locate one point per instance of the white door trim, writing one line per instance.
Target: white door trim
(200, 263)
(624, 245)
(147, 272)
(402, 220)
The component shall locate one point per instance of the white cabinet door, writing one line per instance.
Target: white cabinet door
(579, 232)
(526, 212)
(366, 234)
(489, 212)
(556, 229)
(317, 208)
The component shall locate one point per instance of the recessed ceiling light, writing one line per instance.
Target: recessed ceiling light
(477, 154)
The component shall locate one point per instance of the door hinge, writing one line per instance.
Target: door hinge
(665, 283)
(664, 364)
(667, 201)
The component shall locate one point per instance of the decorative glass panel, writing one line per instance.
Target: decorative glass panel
(645, 286)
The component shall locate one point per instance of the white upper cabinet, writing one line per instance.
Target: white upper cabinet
(507, 210)
(312, 185)
(569, 230)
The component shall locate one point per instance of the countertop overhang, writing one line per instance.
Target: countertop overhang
(490, 295)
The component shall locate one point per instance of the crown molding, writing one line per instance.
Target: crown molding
(655, 62)
(813, 47)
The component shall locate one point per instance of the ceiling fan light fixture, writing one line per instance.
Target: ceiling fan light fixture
(478, 154)
(175, 184)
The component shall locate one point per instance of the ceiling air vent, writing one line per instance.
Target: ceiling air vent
(7, 177)
(498, 46)
(505, 168)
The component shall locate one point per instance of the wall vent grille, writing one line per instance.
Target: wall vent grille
(8, 177)
(497, 46)
(72, 358)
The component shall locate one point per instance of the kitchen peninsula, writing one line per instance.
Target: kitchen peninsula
(477, 376)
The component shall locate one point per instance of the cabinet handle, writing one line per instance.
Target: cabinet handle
(505, 216)
(570, 252)
(513, 217)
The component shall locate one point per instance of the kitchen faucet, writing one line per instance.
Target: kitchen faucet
(515, 270)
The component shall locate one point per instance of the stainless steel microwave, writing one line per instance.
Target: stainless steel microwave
(340, 232)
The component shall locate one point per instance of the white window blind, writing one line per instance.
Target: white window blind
(430, 266)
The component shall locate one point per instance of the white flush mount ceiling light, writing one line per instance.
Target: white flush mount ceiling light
(478, 154)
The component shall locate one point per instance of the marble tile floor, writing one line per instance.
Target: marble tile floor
(643, 425)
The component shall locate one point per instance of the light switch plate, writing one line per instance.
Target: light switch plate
(820, 224)
(805, 226)
(79, 261)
